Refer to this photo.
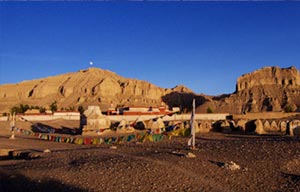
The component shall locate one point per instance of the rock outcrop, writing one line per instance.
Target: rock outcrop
(87, 87)
(268, 89)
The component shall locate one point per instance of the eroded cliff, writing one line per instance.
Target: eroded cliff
(86, 87)
(267, 89)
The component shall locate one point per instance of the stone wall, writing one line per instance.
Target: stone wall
(285, 126)
(47, 117)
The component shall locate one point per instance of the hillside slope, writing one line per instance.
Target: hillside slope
(86, 87)
(267, 89)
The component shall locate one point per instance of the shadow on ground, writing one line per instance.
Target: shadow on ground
(43, 128)
(18, 182)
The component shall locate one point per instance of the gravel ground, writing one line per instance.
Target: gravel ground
(267, 163)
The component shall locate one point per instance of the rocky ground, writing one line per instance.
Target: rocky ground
(263, 163)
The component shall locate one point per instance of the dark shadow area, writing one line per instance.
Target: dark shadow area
(219, 164)
(293, 177)
(235, 129)
(221, 97)
(250, 126)
(4, 137)
(139, 125)
(221, 125)
(208, 139)
(22, 154)
(42, 128)
(217, 126)
(18, 182)
(291, 181)
(114, 125)
(265, 137)
(183, 100)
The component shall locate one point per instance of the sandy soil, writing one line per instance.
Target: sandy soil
(267, 163)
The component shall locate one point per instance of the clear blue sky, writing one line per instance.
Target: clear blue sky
(205, 46)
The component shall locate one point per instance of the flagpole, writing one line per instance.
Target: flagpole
(191, 142)
(12, 126)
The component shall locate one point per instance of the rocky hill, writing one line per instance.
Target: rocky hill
(268, 89)
(87, 87)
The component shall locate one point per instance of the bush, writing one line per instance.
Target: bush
(289, 109)
(15, 110)
(80, 109)
(42, 109)
(24, 108)
(209, 110)
(53, 106)
(19, 109)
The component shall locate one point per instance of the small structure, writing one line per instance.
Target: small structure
(259, 127)
(294, 127)
(66, 113)
(156, 125)
(94, 122)
(124, 127)
(32, 112)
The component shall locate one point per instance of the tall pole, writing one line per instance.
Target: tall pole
(191, 142)
(12, 126)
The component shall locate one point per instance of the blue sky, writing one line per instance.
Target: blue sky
(205, 46)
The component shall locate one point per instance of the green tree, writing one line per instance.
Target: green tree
(53, 106)
(24, 108)
(72, 108)
(42, 109)
(80, 109)
(15, 109)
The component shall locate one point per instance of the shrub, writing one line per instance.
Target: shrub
(80, 109)
(42, 109)
(289, 109)
(24, 108)
(53, 106)
(209, 110)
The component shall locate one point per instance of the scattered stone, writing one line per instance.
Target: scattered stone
(12, 137)
(190, 155)
(33, 156)
(47, 151)
(113, 147)
(292, 167)
(232, 166)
